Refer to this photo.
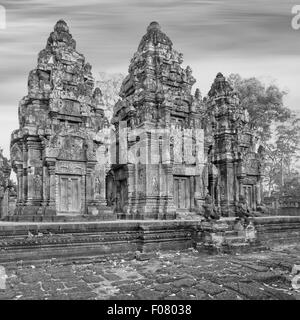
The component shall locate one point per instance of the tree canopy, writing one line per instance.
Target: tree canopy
(263, 102)
(278, 129)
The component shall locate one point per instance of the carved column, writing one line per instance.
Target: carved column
(20, 183)
(170, 208)
(131, 185)
(34, 172)
(52, 185)
(46, 190)
(90, 182)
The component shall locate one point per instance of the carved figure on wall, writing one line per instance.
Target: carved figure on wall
(98, 185)
(37, 185)
(155, 186)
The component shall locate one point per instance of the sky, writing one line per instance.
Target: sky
(252, 38)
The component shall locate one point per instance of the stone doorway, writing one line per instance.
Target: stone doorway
(69, 195)
(182, 193)
(249, 195)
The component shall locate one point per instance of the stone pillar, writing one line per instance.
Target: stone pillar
(258, 193)
(51, 207)
(20, 188)
(90, 182)
(34, 172)
(46, 191)
(192, 194)
(170, 209)
(131, 184)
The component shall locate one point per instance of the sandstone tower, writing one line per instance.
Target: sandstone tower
(58, 152)
(5, 187)
(159, 156)
(234, 162)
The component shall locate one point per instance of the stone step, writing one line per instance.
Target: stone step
(230, 233)
(231, 248)
(239, 247)
(235, 239)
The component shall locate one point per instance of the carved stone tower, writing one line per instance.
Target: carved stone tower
(234, 162)
(159, 154)
(5, 170)
(58, 153)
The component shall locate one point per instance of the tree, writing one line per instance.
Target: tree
(291, 185)
(288, 140)
(276, 125)
(272, 168)
(110, 84)
(264, 103)
(282, 154)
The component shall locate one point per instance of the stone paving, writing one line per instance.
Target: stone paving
(169, 275)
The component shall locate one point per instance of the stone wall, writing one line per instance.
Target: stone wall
(283, 206)
(278, 230)
(35, 241)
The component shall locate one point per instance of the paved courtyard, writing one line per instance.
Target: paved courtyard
(163, 275)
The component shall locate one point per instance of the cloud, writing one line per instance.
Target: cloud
(233, 34)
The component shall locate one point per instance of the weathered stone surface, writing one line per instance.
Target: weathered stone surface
(159, 166)
(173, 154)
(8, 194)
(234, 166)
(218, 280)
(59, 152)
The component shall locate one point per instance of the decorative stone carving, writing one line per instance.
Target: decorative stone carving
(7, 188)
(63, 115)
(156, 94)
(231, 144)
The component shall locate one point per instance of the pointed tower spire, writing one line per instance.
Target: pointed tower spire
(61, 36)
(156, 68)
(154, 36)
(220, 87)
(61, 26)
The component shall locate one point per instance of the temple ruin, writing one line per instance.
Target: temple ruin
(160, 140)
(167, 153)
(234, 158)
(7, 191)
(180, 170)
(59, 153)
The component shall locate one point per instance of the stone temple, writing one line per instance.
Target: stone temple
(158, 170)
(7, 192)
(58, 152)
(167, 153)
(233, 161)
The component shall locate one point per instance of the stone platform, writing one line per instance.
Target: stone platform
(30, 241)
(168, 275)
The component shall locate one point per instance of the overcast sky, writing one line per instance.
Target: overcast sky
(233, 36)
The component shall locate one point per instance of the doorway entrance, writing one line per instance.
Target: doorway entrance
(70, 196)
(182, 193)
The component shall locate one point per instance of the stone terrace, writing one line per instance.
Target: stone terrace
(162, 275)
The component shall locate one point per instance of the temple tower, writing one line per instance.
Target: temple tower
(5, 170)
(159, 154)
(234, 160)
(58, 152)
